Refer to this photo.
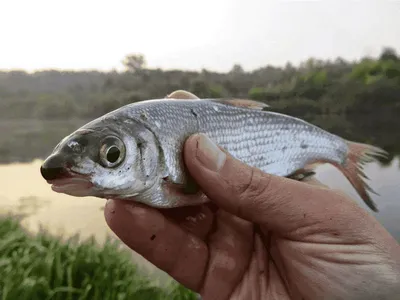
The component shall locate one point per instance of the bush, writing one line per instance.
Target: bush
(44, 267)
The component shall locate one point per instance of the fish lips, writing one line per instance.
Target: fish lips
(74, 186)
(64, 180)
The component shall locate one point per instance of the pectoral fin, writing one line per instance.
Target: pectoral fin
(188, 194)
(190, 187)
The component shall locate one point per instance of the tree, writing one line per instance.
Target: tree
(237, 69)
(388, 54)
(134, 62)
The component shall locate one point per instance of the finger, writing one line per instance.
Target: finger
(197, 220)
(279, 203)
(313, 181)
(230, 248)
(169, 247)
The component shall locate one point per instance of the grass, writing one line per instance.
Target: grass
(44, 267)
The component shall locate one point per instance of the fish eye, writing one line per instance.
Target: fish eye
(112, 152)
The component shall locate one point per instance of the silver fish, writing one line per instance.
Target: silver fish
(135, 152)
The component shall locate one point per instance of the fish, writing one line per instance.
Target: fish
(135, 152)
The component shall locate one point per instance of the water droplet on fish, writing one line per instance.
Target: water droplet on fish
(216, 108)
(158, 124)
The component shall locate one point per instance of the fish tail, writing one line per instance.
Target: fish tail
(357, 156)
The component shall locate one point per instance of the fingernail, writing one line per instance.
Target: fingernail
(209, 154)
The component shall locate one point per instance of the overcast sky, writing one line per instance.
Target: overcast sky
(191, 34)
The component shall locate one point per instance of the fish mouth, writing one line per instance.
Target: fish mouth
(74, 185)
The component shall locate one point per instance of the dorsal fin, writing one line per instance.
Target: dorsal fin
(181, 94)
(246, 103)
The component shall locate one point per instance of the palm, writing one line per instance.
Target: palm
(224, 257)
(241, 264)
(246, 261)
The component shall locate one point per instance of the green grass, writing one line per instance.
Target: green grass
(44, 267)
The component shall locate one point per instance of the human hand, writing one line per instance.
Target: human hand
(262, 236)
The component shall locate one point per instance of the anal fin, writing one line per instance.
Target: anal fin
(301, 174)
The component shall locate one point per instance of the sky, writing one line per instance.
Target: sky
(191, 34)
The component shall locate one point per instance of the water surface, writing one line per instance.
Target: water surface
(384, 179)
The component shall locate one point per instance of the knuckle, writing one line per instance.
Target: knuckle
(252, 193)
(254, 184)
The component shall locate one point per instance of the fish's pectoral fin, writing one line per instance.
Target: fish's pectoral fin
(190, 187)
(181, 94)
(245, 103)
(188, 194)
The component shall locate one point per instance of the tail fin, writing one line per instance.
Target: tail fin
(358, 155)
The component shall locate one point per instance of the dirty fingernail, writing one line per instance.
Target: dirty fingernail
(209, 154)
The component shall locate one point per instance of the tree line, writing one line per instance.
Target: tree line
(369, 85)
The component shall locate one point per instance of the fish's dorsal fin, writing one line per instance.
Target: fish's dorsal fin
(181, 94)
(246, 103)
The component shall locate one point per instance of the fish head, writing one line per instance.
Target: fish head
(106, 160)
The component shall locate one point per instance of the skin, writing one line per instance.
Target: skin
(262, 236)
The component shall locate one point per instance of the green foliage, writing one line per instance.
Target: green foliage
(298, 107)
(43, 267)
(369, 71)
(259, 93)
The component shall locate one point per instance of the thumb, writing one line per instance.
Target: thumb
(279, 203)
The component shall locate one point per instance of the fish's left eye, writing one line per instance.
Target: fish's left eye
(112, 152)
